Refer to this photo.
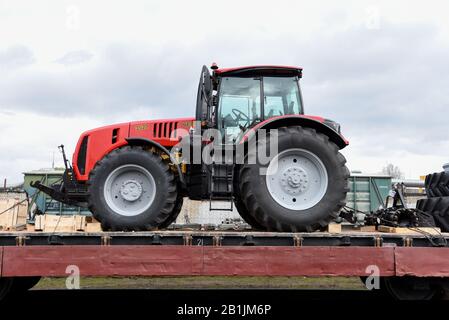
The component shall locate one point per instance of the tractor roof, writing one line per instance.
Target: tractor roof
(259, 70)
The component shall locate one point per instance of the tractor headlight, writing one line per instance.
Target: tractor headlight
(334, 125)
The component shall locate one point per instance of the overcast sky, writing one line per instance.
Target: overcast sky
(379, 68)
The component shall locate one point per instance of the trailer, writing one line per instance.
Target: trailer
(412, 265)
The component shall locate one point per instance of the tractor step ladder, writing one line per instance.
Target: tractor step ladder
(221, 185)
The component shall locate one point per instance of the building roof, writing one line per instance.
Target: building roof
(45, 171)
(369, 175)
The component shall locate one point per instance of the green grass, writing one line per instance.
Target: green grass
(207, 282)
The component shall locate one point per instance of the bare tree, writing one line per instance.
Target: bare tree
(393, 171)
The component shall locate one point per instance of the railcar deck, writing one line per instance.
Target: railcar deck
(168, 253)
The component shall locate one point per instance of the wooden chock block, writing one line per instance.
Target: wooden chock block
(334, 228)
(80, 223)
(93, 227)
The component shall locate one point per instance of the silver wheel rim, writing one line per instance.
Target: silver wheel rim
(129, 190)
(296, 179)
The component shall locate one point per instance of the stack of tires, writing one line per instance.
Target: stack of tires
(437, 202)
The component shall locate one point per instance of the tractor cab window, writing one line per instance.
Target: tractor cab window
(281, 96)
(239, 105)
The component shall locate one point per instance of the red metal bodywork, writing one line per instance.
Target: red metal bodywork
(262, 124)
(317, 119)
(222, 71)
(165, 132)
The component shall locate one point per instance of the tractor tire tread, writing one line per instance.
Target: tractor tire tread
(262, 215)
(169, 199)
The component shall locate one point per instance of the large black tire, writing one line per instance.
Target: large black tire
(272, 216)
(6, 285)
(164, 201)
(244, 213)
(410, 288)
(22, 284)
(437, 184)
(438, 208)
(241, 207)
(174, 214)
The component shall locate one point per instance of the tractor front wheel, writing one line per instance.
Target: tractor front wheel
(132, 189)
(174, 214)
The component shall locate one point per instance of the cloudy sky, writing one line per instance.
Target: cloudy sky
(380, 68)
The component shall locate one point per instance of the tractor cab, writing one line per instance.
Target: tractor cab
(236, 99)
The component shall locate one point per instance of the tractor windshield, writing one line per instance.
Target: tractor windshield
(240, 105)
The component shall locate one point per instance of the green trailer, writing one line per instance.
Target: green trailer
(42, 201)
(368, 192)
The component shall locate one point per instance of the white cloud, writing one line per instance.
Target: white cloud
(15, 57)
(75, 57)
(29, 141)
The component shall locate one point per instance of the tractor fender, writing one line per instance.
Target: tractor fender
(139, 141)
(303, 121)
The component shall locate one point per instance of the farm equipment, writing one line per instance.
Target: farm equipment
(134, 176)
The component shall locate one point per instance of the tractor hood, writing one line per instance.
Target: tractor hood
(96, 143)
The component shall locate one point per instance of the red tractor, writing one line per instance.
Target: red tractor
(134, 176)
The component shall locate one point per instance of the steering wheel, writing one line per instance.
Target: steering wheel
(239, 115)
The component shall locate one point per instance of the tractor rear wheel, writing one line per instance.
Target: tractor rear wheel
(132, 189)
(241, 207)
(302, 188)
(243, 212)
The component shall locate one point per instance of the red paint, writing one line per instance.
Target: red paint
(263, 123)
(1, 260)
(195, 260)
(100, 139)
(296, 261)
(422, 262)
(99, 144)
(299, 117)
(102, 260)
(165, 135)
(226, 70)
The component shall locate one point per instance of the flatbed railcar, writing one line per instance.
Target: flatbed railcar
(190, 253)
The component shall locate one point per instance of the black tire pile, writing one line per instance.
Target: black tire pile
(437, 202)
